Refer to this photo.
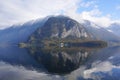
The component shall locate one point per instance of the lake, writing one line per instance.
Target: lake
(83, 64)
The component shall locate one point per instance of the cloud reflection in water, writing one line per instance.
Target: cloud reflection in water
(107, 69)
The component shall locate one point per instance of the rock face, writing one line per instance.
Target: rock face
(61, 27)
(61, 30)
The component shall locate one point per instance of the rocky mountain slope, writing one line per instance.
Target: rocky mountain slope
(61, 27)
(54, 27)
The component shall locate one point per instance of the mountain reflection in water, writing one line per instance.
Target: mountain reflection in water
(60, 61)
(87, 64)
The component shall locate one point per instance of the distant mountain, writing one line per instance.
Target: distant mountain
(55, 26)
(100, 33)
(19, 33)
(114, 28)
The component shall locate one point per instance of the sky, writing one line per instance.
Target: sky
(101, 12)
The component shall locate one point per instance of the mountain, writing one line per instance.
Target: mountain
(19, 33)
(65, 27)
(61, 27)
(114, 28)
(55, 26)
(100, 33)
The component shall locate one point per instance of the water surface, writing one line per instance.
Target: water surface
(83, 64)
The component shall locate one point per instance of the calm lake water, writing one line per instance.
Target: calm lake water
(25, 64)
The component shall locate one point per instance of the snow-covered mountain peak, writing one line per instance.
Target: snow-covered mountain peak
(114, 28)
(87, 22)
(61, 27)
(55, 26)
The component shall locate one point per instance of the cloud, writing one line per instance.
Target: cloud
(19, 11)
(15, 11)
(93, 15)
(88, 4)
(118, 8)
(102, 67)
(10, 72)
(76, 74)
